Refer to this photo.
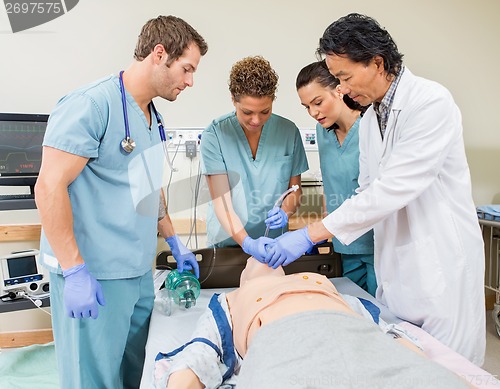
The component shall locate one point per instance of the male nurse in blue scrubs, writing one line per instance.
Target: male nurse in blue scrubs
(98, 195)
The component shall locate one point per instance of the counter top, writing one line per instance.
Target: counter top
(28, 232)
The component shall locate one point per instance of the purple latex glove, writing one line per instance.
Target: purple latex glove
(185, 259)
(256, 247)
(288, 248)
(276, 218)
(81, 293)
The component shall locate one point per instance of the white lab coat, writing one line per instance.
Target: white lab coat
(415, 191)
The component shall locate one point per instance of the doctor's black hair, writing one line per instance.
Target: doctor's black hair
(173, 33)
(361, 38)
(318, 72)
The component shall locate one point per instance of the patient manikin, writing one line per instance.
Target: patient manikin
(295, 331)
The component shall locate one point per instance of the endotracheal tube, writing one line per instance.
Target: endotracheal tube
(278, 202)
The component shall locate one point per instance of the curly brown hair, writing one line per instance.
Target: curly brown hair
(253, 76)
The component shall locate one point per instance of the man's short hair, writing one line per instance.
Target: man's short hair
(173, 33)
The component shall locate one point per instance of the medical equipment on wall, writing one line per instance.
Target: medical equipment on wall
(278, 202)
(128, 144)
(20, 272)
(180, 288)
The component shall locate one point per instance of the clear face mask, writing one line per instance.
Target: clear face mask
(181, 289)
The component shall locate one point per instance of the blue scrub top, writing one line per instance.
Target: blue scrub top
(115, 198)
(255, 184)
(340, 171)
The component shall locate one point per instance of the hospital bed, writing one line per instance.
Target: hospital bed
(220, 272)
(491, 237)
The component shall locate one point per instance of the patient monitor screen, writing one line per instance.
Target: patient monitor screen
(20, 147)
(22, 266)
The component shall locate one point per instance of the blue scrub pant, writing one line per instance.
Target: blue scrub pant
(107, 352)
(359, 269)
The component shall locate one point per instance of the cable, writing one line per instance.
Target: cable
(192, 219)
(38, 304)
(195, 206)
(171, 174)
(177, 148)
(196, 193)
(165, 152)
(211, 267)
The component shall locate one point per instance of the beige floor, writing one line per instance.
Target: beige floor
(492, 359)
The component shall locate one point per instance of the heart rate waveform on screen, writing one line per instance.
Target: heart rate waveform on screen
(20, 147)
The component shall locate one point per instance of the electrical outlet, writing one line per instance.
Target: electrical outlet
(171, 135)
(178, 137)
(309, 139)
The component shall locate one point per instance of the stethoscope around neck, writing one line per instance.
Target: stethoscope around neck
(128, 144)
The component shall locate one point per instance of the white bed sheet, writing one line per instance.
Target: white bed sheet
(169, 332)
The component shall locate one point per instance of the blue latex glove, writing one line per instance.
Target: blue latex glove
(288, 248)
(276, 218)
(185, 259)
(256, 247)
(81, 293)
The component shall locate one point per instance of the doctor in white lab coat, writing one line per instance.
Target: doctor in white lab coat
(415, 191)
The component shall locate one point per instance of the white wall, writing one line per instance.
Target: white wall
(450, 41)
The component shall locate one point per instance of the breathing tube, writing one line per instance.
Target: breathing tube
(278, 202)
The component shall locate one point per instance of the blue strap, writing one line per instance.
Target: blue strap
(371, 308)
(179, 349)
(226, 335)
